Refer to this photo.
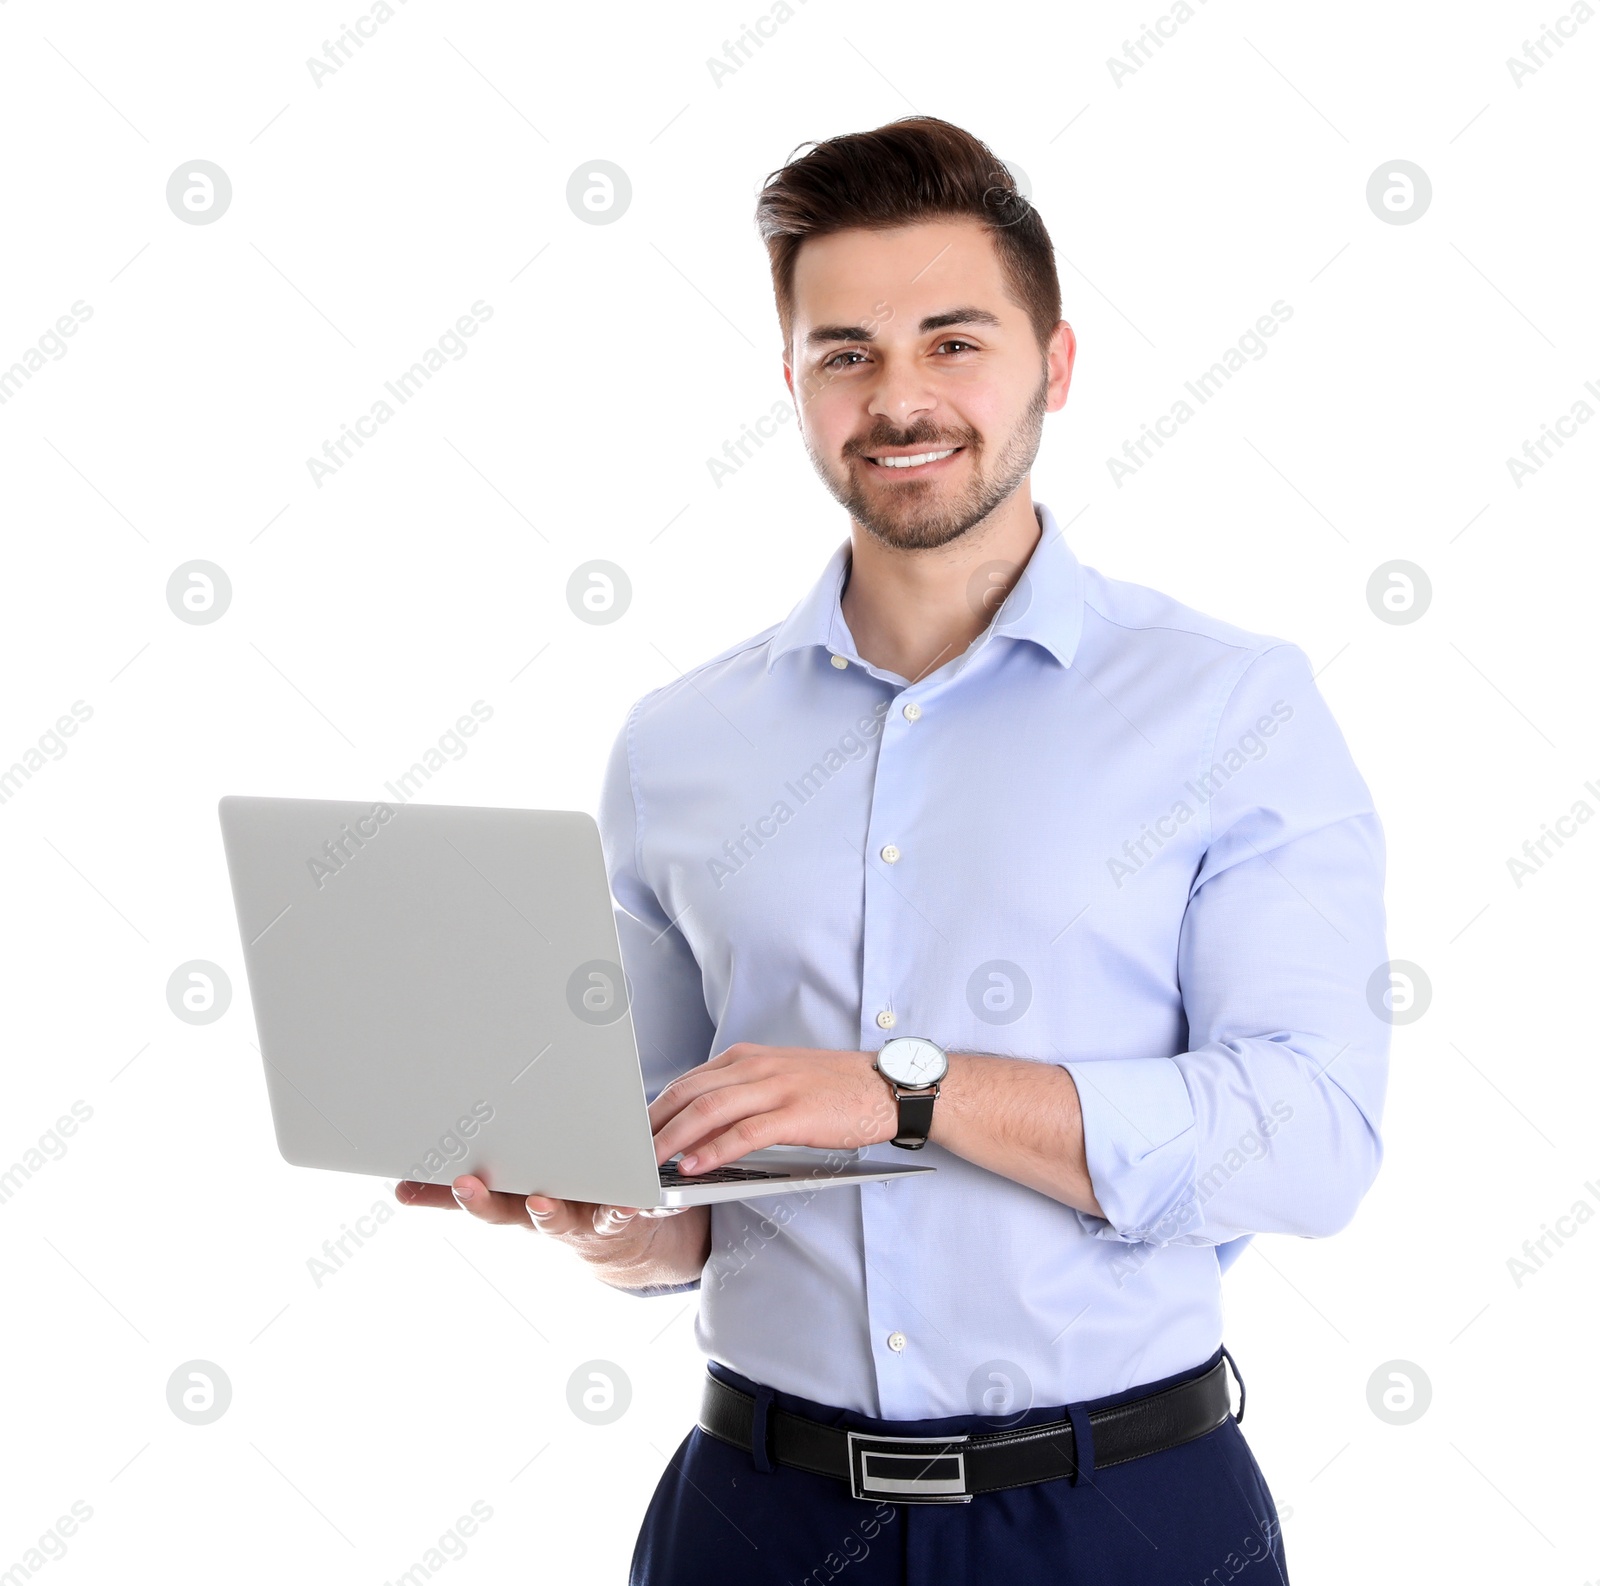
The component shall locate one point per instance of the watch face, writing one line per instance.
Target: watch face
(911, 1061)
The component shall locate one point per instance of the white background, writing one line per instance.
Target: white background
(368, 613)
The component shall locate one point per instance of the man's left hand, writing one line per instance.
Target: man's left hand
(752, 1096)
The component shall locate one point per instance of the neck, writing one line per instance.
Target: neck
(911, 611)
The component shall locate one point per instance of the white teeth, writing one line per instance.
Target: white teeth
(913, 462)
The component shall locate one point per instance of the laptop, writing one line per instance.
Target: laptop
(438, 990)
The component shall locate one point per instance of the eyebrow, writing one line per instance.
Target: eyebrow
(823, 334)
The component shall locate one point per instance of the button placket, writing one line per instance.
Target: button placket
(889, 1277)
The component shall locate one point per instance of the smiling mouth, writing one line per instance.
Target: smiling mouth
(914, 460)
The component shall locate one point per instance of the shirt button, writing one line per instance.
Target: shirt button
(889, 853)
(896, 1341)
(840, 662)
(886, 1020)
(912, 711)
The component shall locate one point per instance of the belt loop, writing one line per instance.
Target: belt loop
(1082, 1445)
(760, 1439)
(1240, 1380)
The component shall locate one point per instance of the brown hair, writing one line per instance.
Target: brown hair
(918, 168)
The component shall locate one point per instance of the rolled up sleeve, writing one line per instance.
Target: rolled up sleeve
(1139, 1138)
(1270, 1121)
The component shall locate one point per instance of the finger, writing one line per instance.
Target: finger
(490, 1206)
(690, 1087)
(556, 1217)
(608, 1221)
(713, 1113)
(750, 1134)
(410, 1193)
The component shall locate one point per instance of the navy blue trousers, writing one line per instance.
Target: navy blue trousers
(1199, 1514)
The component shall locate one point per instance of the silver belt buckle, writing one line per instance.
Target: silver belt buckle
(908, 1469)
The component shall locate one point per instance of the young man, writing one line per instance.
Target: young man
(981, 848)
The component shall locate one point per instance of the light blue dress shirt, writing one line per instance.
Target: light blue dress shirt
(1113, 834)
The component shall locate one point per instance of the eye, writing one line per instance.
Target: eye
(834, 361)
(957, 342)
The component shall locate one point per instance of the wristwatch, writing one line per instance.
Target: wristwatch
(913, 1066)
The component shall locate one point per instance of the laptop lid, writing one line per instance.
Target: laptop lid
(437, 991)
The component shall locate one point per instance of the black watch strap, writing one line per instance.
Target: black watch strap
(916, 1117)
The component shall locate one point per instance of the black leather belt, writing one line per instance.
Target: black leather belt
(955, 1468)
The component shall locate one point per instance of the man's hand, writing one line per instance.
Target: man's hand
(751, 1096)
(627, 1246)
(1015, 1117)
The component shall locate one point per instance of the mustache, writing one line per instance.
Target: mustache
(884, 437)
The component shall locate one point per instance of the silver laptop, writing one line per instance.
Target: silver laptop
(438, 991)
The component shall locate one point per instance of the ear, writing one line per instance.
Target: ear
(1059, 359)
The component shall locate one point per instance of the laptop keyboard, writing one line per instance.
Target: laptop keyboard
(671, 1178)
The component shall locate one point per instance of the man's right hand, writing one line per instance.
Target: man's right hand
(628, 1247)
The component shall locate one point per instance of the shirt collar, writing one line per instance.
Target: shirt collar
(1045, 604)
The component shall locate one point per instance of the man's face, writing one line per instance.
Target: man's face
(920, 383)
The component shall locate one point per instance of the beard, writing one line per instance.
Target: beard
(916, 516)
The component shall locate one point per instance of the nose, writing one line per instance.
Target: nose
(902, 394)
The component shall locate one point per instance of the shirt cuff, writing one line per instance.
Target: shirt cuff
(1139, 1140)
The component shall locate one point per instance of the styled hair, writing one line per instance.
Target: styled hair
(915, 169)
